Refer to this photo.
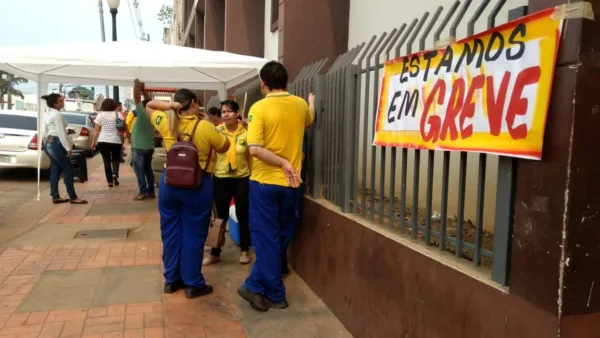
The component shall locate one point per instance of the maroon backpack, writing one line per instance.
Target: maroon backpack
(183, 169)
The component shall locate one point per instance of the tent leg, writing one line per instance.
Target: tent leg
(42, 87)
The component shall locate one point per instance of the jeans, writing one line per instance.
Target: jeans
(59, 164)
(142, 167)
(110, 156)
(238, 188)
(184, 220)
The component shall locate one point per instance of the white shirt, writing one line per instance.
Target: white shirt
(56, 126)
(109, 132)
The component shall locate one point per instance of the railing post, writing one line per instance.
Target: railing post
(315, 178)
(505, 203)
(350, 153)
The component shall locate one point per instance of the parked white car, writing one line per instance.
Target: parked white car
(19, 140)
(83, 125)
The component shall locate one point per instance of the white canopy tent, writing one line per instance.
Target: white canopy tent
(119, 63)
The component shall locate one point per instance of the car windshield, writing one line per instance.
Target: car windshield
(75, 118)
(18, 122)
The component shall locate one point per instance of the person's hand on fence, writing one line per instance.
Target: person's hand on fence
(311, 99)
(292, 176)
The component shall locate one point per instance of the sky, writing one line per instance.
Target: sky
(35, 22)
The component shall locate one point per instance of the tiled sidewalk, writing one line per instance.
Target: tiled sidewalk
(53, 285)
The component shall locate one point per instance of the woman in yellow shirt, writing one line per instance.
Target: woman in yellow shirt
(184, 213)
(232, 178)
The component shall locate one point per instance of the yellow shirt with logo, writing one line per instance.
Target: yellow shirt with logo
(130, 121)
(237, 139)
(277, 123)
(205, 138)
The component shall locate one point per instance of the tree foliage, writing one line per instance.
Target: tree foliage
(8, 86)
(165, 13)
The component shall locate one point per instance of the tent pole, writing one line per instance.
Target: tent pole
(39, 134)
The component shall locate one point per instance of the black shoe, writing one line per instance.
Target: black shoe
(280, 306)
(60, 200)
(192, 292)
(115, 180)
(151, 195)
(257, 302)
(173, 287)
(285, 270)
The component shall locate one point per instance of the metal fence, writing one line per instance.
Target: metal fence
(359, 177)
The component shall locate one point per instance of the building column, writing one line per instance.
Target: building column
(244, 27)
(214, 25)
(556, 238)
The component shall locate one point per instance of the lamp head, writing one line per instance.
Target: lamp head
(113, 4)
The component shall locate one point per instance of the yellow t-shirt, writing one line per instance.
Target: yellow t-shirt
(237, 139)
(205, 138)
(277, 123)
(130, 121)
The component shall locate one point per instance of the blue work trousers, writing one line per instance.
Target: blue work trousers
(272, 224)
(184, 221)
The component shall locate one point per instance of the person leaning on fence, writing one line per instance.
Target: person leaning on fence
(231, 179)
(303, 176)
(185, 213)
(276, 130)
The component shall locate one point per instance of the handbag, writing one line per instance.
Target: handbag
(216, 231)
(119, 123)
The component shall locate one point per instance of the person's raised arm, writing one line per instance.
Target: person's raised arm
(163, 105)
(311, 108)
(138, 87)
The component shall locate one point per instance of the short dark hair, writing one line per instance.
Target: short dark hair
(119, 103)
(234, 106)
(51, 99)
(108, 105)
(274, 75)
(214, 111)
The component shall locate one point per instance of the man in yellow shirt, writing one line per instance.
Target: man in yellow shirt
(276, 127)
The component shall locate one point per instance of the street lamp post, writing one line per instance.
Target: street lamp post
(114, 5)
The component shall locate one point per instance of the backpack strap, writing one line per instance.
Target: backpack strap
(195, 126)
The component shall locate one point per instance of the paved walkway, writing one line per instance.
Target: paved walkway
(110, 284)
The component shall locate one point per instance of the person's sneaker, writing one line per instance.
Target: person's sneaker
(257, 302)
(151, 195)
(285, 270)
(280, 306)
(173, 287)
(210, 260)
(140, 197)
(115, 180)
(244, 258)
(193, 292)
